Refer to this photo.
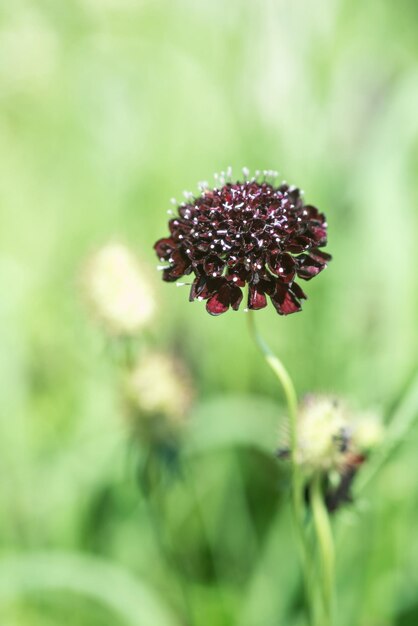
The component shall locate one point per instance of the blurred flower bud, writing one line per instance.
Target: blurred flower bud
(333, 441)
(119, 294)
(159, 395)
(323, 434)
(329, 434)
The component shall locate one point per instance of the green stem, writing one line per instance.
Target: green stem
(324, 535)
(292, 405)
(297, 482)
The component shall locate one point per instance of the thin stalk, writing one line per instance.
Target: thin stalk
(325, 539)
(297, 482)
(292, 404)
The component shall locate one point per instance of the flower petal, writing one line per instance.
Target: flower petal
(219, 303)
(164, 248)
(228, 295)
(298, 291)
(320, 256)
(180, 266)
(299, 244)
(311, 264)
(286, 299)
(213, 265)
(283, 265)
(235, 296)
(197, 288)
(256, 299)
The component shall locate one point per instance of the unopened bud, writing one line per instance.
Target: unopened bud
(118, 291)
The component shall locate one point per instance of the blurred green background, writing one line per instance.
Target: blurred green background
(108, 108)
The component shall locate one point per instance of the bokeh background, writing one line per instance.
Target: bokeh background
(108, 108)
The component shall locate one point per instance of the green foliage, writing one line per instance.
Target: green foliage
(107, 109)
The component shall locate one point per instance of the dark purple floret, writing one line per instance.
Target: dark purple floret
(246, 233)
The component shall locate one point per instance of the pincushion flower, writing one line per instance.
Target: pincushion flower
(248, 232)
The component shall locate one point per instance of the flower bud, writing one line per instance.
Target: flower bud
(334, 442)
(159, 395)
(117, 290)
(330, 437)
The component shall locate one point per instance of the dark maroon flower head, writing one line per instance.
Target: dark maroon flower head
(245, 233)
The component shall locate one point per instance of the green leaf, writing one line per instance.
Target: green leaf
(228, 421)
(96, 578)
